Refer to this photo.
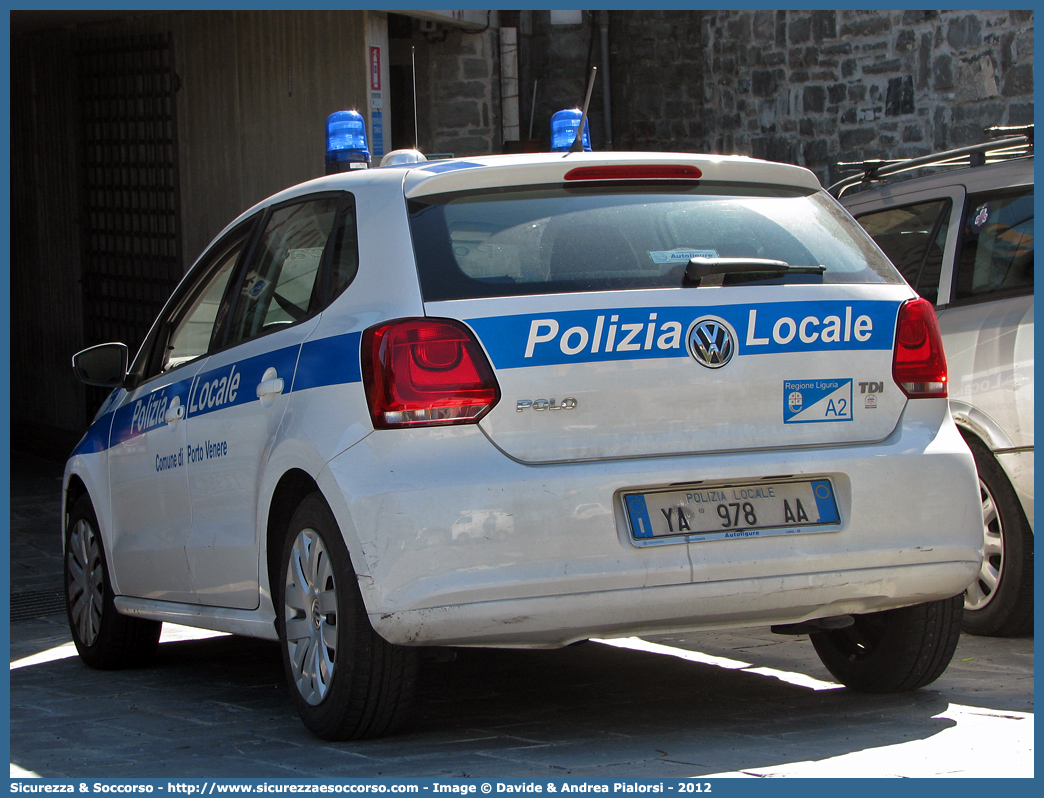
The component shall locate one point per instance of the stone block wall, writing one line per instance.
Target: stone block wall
(657, 80)
(818, 87)
(463, 93)
(555, 62)
(805, 87)
(655, 76)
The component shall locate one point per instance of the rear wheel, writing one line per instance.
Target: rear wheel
(1000, 600)
(893, 651)
(104, 639)
(346, 681)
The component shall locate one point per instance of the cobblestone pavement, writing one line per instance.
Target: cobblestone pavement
(741, 704)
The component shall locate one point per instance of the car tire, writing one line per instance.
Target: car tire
(104, 639)
(999, 602)
(893, 651)
(345, 681)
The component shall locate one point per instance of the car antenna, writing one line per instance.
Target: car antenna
(578, 142)
(413, 66)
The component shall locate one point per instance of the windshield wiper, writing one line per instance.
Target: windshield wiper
(699, 268)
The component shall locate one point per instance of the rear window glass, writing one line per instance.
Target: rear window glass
(554, 239)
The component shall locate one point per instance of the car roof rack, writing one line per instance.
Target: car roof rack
(1005, 142)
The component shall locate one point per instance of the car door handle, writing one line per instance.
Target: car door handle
(271, 385)
(270, 388)
(174, 413)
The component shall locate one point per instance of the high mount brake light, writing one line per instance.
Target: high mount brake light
(918, 362)
(426, 372)
(635, 172)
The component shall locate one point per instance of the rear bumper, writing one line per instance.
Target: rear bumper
(455, 543)
(553, 621)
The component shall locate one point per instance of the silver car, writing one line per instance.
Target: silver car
(963, 238)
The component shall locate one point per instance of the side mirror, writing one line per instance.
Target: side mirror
(104, 365)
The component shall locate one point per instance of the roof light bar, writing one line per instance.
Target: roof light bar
(346, 142)
(564, 125)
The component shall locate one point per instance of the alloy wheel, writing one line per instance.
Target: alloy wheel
(85, 582)
(982, 590)
(310, 614)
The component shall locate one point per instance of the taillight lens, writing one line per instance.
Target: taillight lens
(919, 364)
(426, 372)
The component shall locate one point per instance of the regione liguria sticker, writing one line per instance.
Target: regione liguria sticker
(816, 401)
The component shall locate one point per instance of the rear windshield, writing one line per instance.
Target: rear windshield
(560, 239)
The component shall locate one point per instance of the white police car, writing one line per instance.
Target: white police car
(521, 401)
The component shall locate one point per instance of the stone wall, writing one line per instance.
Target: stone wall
(557, 59)
(805, 87)
(656, 67)
(463, 97)
(657, 80)
(818, 87)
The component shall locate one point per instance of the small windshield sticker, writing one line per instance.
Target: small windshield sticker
(254, 285)
(982, 215)
(817, 401)
(680, 255)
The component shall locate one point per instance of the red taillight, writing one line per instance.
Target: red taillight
(426, 372)
(919, 364)
(635, 172)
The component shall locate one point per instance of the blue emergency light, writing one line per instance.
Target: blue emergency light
(346, 142)
(564, 125)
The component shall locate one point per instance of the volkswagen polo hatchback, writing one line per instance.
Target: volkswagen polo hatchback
(522, 401)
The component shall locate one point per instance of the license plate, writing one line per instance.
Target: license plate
(760, 509)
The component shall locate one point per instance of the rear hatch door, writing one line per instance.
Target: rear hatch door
(603, 344)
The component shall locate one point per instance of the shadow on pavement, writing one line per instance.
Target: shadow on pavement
(219, 706)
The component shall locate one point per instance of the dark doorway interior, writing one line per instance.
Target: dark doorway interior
(132, 257)
(400, 69)
(402, 130)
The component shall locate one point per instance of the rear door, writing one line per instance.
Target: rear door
(236, 403)
(919, 233)
(604, 349)
(988, 324)
(971, 255)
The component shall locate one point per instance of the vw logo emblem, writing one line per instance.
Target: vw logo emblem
(711, 343)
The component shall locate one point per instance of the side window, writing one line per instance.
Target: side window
(191, 336)
(996, 257)
(344, 260)
(913, 237)
(194, 322)
(279, 287)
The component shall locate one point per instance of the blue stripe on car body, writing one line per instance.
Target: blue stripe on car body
(329, 361)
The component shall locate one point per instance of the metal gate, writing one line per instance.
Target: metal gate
(132, 229)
